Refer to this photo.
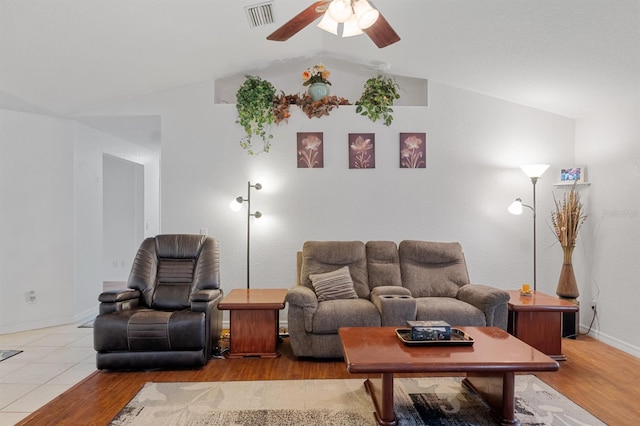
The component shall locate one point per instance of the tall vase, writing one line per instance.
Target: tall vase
(567, 286)
(318, 91)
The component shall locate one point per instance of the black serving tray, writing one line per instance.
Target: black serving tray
(458, 338)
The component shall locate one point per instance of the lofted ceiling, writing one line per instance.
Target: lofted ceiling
(570, 57)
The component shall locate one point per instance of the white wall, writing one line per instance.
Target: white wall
(475, 145)
(609, 144)
(36, 220)
(51, 216)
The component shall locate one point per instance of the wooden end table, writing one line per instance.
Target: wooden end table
(537, 320)
(254, 321)
(490, 365)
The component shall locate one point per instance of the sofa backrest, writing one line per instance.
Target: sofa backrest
(427, 269)
(319, 257)
(431, 269)
(168, 268)
(383, 264)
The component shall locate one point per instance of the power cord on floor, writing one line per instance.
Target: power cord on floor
(573, 336)
(595, 314)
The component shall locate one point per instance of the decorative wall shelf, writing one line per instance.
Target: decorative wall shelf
(565, 184)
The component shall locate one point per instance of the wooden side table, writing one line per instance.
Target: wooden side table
(254, 320)
(537, 321)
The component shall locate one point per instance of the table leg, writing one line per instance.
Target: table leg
(497, 390)
(381, 391)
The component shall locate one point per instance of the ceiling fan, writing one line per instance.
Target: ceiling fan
(356, 17)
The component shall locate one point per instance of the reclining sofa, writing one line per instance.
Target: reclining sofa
(168, 317)
(353, 284)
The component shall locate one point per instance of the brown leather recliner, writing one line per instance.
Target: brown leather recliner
(168, 317)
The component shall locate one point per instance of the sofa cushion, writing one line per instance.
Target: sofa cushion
(431, 269)
(449, 309)
(383, 263)
(319, 257)
(333, 285)
(334, 314)
(150, 330)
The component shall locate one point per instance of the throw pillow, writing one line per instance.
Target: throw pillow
(333, 285)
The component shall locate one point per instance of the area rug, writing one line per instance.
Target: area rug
(418, 401)
(4, 354)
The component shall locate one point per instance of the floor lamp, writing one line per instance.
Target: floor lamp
(534, 171)
(235, 205)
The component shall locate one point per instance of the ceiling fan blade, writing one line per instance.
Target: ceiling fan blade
(381, 33)
(298, 22)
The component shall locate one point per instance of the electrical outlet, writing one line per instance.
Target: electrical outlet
(30, 296)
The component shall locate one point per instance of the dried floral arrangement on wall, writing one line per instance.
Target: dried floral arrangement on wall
(257, 113)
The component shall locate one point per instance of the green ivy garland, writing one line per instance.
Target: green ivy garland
(377, 99)
(254, 102)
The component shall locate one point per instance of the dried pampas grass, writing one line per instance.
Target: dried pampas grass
(568, 218)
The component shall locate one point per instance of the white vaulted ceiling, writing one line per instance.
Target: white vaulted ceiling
(569, 57)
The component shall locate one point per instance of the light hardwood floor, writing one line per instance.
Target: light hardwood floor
(598, 377)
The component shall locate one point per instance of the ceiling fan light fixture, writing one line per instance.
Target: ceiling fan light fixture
(340, 10)
(328, 24)
(367, 15)
(351, 28)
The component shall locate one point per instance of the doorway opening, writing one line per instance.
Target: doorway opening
(123, 219)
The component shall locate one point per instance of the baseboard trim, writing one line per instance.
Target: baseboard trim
(612, 341)
(34, 325)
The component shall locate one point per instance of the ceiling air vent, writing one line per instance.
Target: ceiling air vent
(260, 14)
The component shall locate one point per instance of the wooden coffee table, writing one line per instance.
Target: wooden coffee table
(254, 317)
(537, 320)
(490, 365)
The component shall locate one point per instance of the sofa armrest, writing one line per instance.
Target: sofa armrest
(201, 298)
(118, 300)
(490, 300)
(305, 299)
(302, 297)
(395, 305)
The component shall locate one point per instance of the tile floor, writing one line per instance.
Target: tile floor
(53, 360)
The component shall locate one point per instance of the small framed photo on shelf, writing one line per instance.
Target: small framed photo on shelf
(575, 174)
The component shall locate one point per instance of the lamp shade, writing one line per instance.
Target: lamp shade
(515, 207)
(534, 170)
(340, 10)
(236, 204)
(367, 15)
(351, 27)
(328, 24)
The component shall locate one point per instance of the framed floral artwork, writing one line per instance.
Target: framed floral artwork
(310, 150)
(362, 151)
(413, 150)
